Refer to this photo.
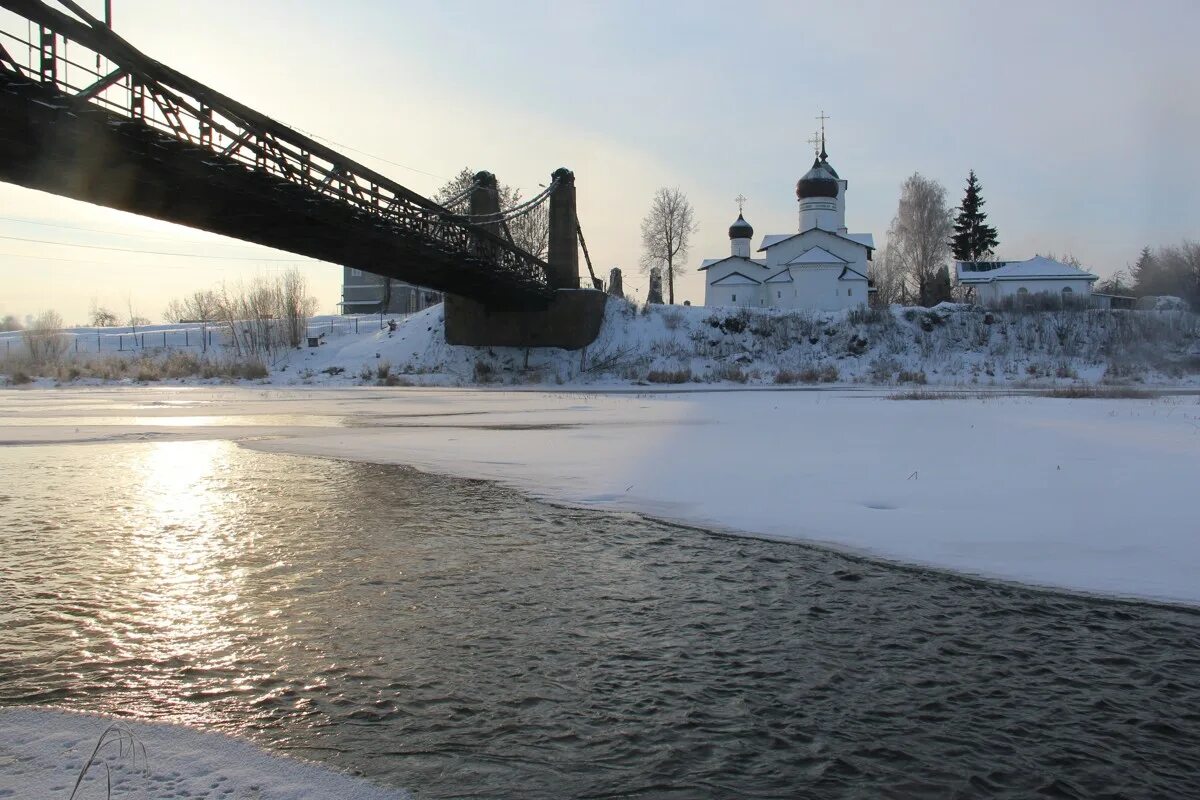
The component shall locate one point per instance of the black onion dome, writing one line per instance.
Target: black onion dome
(825, 163)
(741, 229)
(820, 181)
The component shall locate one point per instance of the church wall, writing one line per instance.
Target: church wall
(818, 289)
(741, 296)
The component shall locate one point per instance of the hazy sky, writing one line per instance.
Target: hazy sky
(1082, 121)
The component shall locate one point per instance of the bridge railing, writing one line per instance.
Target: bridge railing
(83, 60)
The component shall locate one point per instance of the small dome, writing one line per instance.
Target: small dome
(741, 229)
(820, 181)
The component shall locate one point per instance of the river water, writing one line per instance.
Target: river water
(458, 640)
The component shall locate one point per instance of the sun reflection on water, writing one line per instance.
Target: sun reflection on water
(184, 554)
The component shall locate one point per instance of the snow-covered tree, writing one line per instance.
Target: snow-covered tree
(918, 238)
(1172, 270)
(974, 239)
(666, 234)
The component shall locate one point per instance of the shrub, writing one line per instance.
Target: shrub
(787, 376)
(669, 375)
(905, 376)
(45, 342)
(672, 318)
(729, 372)
(19, 377)
(484, 372)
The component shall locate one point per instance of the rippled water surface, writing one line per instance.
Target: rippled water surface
(455, 639)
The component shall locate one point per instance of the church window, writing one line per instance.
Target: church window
(734, 300)
(355, 273)
(849, 293)
(778, 295)
(1068, 290)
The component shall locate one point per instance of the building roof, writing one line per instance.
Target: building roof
(864, 239)
(712, 262)
(817, 255)
(741, 229)
(783, 276)
(735, 279)
(820, 181)
(1038, 268)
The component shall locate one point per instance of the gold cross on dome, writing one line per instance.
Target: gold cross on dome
(741, 201)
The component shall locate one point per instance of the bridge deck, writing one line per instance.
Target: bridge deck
(57, 143)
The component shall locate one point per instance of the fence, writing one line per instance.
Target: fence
(198, 338)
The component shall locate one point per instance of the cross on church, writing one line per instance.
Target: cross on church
(822, 118)
(741, 201)
(815, 141)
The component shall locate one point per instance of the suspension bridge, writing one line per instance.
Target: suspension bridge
(86, 115)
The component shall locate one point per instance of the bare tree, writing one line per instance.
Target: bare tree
(45, 341)
(530, 232)
(889, 276)
(296, 305)
(101, 317)
(199, 306)
(666, 233)
(918, 237)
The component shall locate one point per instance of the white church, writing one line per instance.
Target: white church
(823, 267)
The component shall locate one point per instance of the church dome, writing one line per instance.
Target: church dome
(741, 229)
(820, 181)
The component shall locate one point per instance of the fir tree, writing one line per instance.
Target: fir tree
(973, 239)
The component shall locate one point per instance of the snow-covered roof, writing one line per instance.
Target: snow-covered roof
(712, 262)
(863, 239)
(783, 276)
(855, 273)
(1038, 268)
(735, 279)
(817, 255)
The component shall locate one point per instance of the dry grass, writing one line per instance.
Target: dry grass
(669, 375)
(1092, 391)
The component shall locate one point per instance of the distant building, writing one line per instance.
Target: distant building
(822, 267)
(366, 293)
(993, 283)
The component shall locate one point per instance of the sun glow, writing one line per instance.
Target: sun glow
(187, 545)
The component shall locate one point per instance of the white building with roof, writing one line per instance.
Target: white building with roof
(993, 283)
(822, 267)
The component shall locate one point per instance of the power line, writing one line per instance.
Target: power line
(158, 252)
(365, 153)
(124, 264)
(104, 232)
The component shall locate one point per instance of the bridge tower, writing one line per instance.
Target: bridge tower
(570, 320)
(563, 257)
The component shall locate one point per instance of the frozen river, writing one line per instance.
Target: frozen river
(458, 639)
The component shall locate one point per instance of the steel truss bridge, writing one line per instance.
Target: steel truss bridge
(86, 115)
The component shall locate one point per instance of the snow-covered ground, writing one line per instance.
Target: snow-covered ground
(42, 752)
(1090, 495)
(948, 345)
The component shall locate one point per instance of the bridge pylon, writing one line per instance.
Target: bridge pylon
(572, 318)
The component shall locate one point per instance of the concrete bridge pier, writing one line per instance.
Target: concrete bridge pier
(572, 318)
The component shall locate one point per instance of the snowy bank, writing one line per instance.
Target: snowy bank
(948, 345)
(42, 752)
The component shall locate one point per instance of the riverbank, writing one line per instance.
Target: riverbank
(43, 751)
(1088, 495)
(949, 346)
